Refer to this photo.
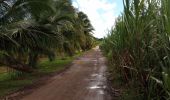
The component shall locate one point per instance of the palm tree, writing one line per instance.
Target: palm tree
(87, 30)
(33, 34)
(31, 28)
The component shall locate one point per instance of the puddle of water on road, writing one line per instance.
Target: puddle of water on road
(95, 87)
(97, 82)
(97, 75)
(101, 92)
(94, 75)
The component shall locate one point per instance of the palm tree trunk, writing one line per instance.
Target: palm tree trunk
(11, 62)
(33, 58)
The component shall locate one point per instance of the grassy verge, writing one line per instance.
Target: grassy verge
(13, 81)
(122, 90)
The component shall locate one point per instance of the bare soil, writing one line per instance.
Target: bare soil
(84, 80)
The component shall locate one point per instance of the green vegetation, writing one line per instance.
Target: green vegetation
(138, 49)
(30, 29)
(34, 29)
(14, 80)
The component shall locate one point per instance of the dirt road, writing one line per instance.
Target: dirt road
(84, 80)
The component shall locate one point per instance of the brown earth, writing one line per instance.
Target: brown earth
(3, 69)
(84, 80)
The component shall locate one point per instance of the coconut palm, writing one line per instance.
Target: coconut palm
(32, 34)
(87, 30)
(30, 28)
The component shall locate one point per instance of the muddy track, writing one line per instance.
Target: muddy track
(84, 80)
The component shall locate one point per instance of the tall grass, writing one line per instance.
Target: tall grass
(139, 47)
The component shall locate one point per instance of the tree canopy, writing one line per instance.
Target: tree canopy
(29, 28)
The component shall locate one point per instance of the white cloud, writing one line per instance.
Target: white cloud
(102, 14)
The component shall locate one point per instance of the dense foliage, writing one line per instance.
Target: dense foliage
(138, 47)
(30, 28)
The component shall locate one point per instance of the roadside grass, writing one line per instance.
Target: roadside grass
(124, 90)
(13, 81)
(46, 67)
(2, 69)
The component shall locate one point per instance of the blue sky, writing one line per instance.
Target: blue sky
(102, 13)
